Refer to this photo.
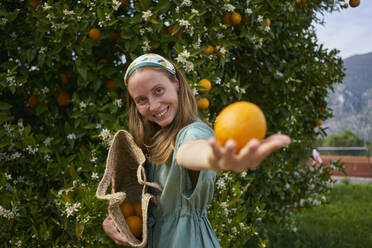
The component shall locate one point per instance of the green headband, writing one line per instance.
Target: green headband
(150, 59)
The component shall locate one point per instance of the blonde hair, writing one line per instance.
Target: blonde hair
(158, 143)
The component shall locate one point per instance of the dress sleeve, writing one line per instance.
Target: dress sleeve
(195, 131)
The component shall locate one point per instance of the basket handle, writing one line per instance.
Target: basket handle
(142, 179)
(104, 184)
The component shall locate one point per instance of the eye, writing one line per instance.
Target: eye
(141, 100)
(159, 91)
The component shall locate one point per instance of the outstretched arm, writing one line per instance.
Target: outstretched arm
(208, 155)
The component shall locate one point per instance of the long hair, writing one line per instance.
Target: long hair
(157, 142)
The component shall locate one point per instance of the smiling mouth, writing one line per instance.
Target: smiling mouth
(162, 113)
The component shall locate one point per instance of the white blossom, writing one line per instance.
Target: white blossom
(220, 36)
(71, 136)
(99, 125)
(83, 105)
(229, 7)
(45, 90)
(32, 150)
(267, 28)
(218, 80)
(146, 46)
(105, 134)
(71, 208)
(184, 23)
(194, 11)
(15, 155)
(182, 57)
(186, 3)
(95, 175)
(260, 18)
(66, 12)
(3, 21)
(116, 4)
(248, 11)
(146, 15)
(221, 183)
(118, 102)
(43, 50)
(46, 6)
(47, 141)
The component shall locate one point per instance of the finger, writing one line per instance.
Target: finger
(215, 147)
(268, 147)
(250, 147)
(230, 147)
(285, 138)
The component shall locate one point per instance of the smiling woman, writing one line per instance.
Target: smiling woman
(182, 155)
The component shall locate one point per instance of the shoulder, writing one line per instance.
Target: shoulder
(194, 131)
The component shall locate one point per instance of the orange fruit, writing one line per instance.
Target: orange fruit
(138, 209)
(319, 122)
(111, 84)
(94, 34)
(113, 38)
(301, 4)
(170, 31)
(102, 61)
(236, 18)
(203, 103)
(240, 121)
(124, 3)
(83, 39)
(354, 3)
(64, 79)
(320, 109)
(226, 19)
(127, 209)
(33, 101)
(209, 49)
(205, 85)
(63, 99)
(346, 5)
(268, 21)
(135, 225)
(34, 3)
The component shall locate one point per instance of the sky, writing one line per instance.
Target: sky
(349, 30)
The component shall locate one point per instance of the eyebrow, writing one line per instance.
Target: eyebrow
(152, 89)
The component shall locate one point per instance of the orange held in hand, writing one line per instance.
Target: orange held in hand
(240, 121)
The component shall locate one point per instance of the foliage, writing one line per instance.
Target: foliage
(52, 156)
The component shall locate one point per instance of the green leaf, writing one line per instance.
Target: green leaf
(82, 70)
(5, 106)
(79, 229)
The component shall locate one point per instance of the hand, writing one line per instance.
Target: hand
(111, 230)
(250, 156)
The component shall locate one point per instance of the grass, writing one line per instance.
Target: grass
(345, 222)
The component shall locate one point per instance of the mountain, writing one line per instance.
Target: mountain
(351, 101)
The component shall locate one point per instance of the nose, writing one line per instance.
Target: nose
(154, 105)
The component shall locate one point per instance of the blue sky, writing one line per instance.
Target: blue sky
(349, 30)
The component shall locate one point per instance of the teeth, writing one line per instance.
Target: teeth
(162, 113)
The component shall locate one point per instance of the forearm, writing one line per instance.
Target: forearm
(195, 155)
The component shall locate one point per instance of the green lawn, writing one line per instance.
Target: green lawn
(345, 222)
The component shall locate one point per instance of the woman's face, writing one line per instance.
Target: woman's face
(155, 95)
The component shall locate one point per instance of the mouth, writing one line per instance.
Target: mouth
(162, 114)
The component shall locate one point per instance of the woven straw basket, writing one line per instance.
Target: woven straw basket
(125, 172)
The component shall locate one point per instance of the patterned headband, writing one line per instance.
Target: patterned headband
(150, 59)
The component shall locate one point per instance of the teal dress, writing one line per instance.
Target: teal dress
(179, 219)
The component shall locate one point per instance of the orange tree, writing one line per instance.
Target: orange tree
(63, 97)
